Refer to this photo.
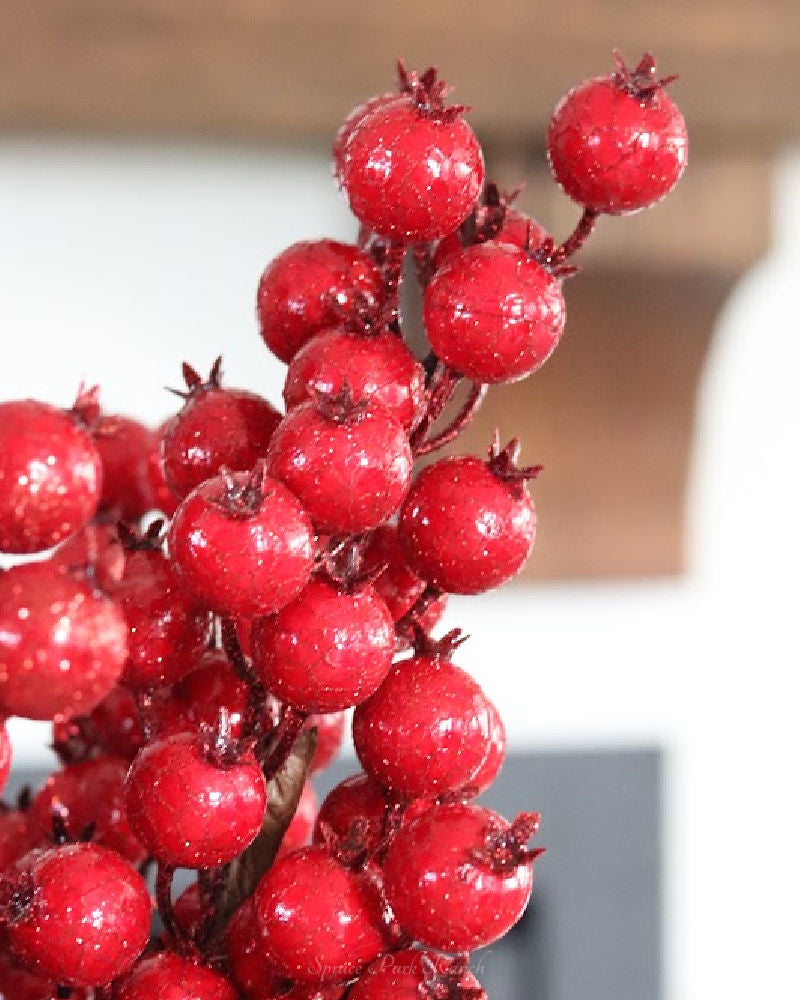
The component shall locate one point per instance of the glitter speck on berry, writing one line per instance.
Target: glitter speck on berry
(618, 143)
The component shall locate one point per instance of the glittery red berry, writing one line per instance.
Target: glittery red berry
(168, 976)
(196, 700)
(425, 732)
(398, 584)
(376, 366)
(97, 550)
(518, 230)
(242, 544)
(113, 727)
(167, 632)
(348, 463)
(356, 799)
(90, 792)
(17, 983)
(17, 836)
(327, 650)
(618, 143)
(466, 525)
(251, 968)
(195, 803)
(307, 288)
(490, 768)
(124, 446)
(417, 975)
(330, 728)
(50, 476)
(460, 876)
(163, 497)
(322, 923)
(80, 914)
(62, 644)
(412, 169)
(217, 427)
(494, 313)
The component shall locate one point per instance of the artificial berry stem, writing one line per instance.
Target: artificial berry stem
(288, 729)
(256, 693)
(392, 280)
(441, 386)
(579, 235)
(462, 419)
(164, 875)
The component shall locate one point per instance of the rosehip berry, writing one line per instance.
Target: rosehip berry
(425, 732)
(490, 768)
(50, 476)
(518, 230)
(82, 915)
(195, 804)
(417, 975)
(412, 169)
(243, 544)
(17, 837)
(321, 922)
(90, 792)
(330, 728)
(466, 525)
(112, 727)
(217, 427)
(167, 976)
(308, 287)
(62, 645)
(357, 798)
(5, 756)
(349, 463)
(167, 632)
(375, 366)
(460, 876)
(197, 699)
(124, 446)
(618, 143)
(494, 313)
(327, 650)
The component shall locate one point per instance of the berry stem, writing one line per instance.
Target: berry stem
(464, 417)
(405, 626)
(256, 693)
(423, 261)
(392, 281)
(441, 387)
(579, 235)
(164, 876)
(288, 729)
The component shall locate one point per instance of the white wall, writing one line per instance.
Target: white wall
(118, 262)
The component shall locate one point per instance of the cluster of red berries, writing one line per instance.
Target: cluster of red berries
(197, 667)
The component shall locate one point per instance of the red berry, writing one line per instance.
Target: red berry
(217, 427)
(96, 549)
(330, 733)
(490, 768)
(618, 143)
(327, 650)
(466, 525)
(83, 915)
(62, 644)
(5, 756)
(398, 584)
(17, 837)
(191, 804)
(348, 463)
(17, 983)
(298, 833)
(124, 446)
(460, 876)
(417, 975)
(494, 313)
(308, 287)
(50, 476)
(90, 792)
(163, 497)
(250, 965)
(113, 727)
(425, 732)
(243, 544)
(357, 798)
(167, 633)
(197, 699)
(518, 230)
(167, 976)
(321, 922)
(375, 366)
(412, 170)
(354, 119)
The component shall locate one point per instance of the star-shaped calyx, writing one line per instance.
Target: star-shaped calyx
(642, 82)
(504, 463)
(195, 383)
(443, 978)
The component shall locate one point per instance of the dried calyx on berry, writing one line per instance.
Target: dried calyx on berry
(443, 979)
(86, 408)
(151, 539)
(428, 94)
(243, 499)
(195, 384)
(487, 219)
(504, 463)
(342, 561)
(355, 849)
(340, 407)
(438, 649)
(643, 81)
(505, 848)
(220, 746)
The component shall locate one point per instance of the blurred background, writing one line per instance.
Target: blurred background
(154, 157)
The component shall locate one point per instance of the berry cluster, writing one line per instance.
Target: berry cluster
(210, 598)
